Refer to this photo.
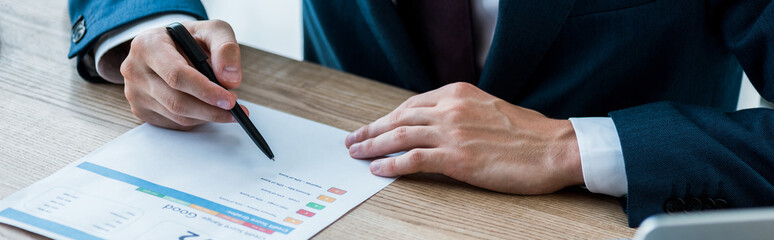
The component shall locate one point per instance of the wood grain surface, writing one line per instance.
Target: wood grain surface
(49, 118)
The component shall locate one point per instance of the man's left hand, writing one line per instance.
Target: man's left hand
(467, 134)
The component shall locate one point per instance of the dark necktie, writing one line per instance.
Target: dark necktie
(441, 30)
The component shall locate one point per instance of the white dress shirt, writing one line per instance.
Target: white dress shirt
(600, 148)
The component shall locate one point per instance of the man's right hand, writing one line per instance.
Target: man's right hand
(165, 90)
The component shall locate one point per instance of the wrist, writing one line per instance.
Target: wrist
(566, 154)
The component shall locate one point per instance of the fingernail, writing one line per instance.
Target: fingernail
(231, 73)
(353, 149)
(233, 120)
(375, 165)
(223, 104)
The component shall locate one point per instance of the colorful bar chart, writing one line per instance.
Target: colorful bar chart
(194, 202)
(326, 198)
(336, 191)
(305, 213)
(293, 220)
(315, 206)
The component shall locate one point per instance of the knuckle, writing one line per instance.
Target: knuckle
(411, 100)
(220, 24)
(368, 145)
(138, 43)
(131, 96)
(401, 134)
(389, 165)
(459, 88)
(414, 159)
(457, 107)
(172, 77)
(455, 112)
(396, 117)
(364, 131)
(147, 38)
(127, 67)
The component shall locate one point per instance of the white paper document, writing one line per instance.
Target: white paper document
(211, 182)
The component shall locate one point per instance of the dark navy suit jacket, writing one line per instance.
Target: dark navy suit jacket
(667, 71)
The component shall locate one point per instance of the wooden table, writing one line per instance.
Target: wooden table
(49, 118)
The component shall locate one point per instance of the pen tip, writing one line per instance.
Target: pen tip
(272, 159)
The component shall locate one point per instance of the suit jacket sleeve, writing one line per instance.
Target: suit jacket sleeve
(685, 158)
(92, 18)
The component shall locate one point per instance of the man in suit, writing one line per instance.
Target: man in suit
(631, 98)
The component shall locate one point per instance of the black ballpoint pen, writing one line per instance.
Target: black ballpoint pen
(198, 58)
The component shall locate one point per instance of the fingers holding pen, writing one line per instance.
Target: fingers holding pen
(164, 90)
(187, 79)
(175, 104)
(169, 65)
(226, 63)
(217, 38)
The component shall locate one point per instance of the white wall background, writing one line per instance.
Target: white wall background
(275, 26)
(270, 25)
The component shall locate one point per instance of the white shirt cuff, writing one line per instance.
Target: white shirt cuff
(601, 155)
(109, 69)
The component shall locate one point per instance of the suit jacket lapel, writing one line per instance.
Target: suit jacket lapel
(386, 26)
(524, 32)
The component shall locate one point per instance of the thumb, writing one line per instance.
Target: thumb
(226, 61)
(218, 37)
